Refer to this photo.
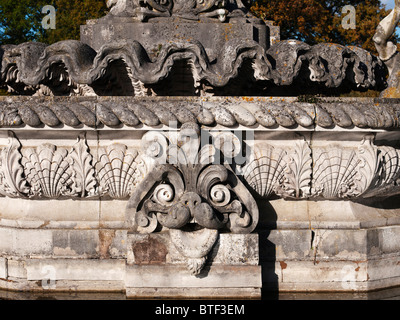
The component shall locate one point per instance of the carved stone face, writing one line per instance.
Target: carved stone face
(192, 189)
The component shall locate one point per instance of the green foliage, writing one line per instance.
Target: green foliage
(20, 21)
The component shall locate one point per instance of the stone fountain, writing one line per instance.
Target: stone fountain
(179, 150)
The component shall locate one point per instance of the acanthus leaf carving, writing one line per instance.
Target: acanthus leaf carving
(334, 172)
(352, 173)
(297, 178)
(284, 172)
(12, 180)
(83, 173)
(370, 164)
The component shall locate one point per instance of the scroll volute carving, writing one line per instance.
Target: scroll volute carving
(191, 196)
(191, 189)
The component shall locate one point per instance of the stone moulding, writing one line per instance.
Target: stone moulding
(229, 112)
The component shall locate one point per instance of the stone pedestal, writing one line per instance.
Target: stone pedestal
(153, 35)
(156, 269)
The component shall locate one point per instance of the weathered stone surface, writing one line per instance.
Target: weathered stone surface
(16, 268)
(76, 243)
(149, 251)
(163, 249)
(3, 268)
(194, 293)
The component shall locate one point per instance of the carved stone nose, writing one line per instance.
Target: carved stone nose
(190, 200)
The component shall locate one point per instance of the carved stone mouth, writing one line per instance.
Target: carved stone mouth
(194, 245)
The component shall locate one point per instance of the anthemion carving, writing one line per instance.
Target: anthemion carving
(293, 171)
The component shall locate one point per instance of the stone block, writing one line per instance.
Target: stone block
(167, 276)
(194, 293)
(50, 214)
(389, 239)
(114, 243)
(16, 269)
(22, 242)
(78, 243)
(152, 35)
(76, 269)
(341, 275)
(236, 249)
(152, 249)
(385, 268)
(157, 248)
(112, 213)
(285, 244)
(340, 244)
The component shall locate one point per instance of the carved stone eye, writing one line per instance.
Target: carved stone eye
(220, 195)
(153, 149)
(164, 194)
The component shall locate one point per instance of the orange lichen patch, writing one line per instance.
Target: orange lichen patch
(391, 93)
(106, 238)
(248, 99)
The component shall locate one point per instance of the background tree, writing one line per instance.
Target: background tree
(315, 21)
(21, 21)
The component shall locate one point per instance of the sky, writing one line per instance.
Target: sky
(389, 3)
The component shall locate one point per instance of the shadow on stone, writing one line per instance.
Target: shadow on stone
(270, 285)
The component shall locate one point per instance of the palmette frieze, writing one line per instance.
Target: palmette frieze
(294, 170)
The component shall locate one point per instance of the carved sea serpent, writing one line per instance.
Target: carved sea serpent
(29, 63)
